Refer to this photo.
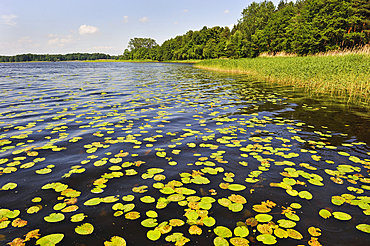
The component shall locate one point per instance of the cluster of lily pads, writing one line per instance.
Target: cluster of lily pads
(201, 159)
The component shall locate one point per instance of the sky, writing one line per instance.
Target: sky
(105, 26)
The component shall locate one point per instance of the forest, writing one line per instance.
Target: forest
(303, 27)
(47, 57)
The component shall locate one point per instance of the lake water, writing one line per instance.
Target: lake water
(124, 149)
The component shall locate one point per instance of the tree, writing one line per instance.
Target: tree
(136, 43)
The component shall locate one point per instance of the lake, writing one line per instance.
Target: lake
(165, 154)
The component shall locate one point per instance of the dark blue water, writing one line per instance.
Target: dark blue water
(98, 127)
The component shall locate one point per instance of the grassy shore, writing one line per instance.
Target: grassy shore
(346, 76)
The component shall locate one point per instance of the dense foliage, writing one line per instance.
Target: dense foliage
(302, 27)
(67, 57)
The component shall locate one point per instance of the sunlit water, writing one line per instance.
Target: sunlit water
(99, 127)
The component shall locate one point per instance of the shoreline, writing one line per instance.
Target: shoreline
(346, 77)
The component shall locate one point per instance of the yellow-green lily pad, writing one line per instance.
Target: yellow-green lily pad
(84, 229)
(54, 217)
(342, 216)
(223, 231)
(50, 240)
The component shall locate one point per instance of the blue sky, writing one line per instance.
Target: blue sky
(66, 26)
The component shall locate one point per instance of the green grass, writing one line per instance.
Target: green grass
(346, 76)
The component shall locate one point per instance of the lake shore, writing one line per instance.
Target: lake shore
(346, 76)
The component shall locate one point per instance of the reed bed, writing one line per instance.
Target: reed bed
(345, 75)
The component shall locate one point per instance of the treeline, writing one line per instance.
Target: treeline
(67, 57)
(302, 27)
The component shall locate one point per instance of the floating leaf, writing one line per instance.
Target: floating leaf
(220, 241)
(324, 213)
(151, 214)
(315, 232)
(209, 221)
(363, 228)
(286, 223)
(294, 234)
(241, 231)
(18, 222)
(236, 187)
(50, 240)
(78, 217)
(195, 230)
(9, 186)
(93, 201)
(280, 233)
(266, 239)
(128, 198)
(54, 217)
(223, 231)
(342, 216)
(147, 199)
(239, 241)
(115, 241)
(149, 222)
(236, 207)
(84, 229)
(132, 215)
(153, 235)
(305, 194)
(263, 218)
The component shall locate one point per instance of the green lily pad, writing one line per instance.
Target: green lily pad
(363, 228)
(220, 241)
(286, 223)
(115, 241)
(151, 214)
(78, 217)
(54, 217)
(236, 207)
(236, 187)
(295, 205)
(223, 231)
(305, 194)
(50, 240)
(324, 213)
(84, 229)
(239, 241)
(209, 221)
(149, 222)
(263, 218)
(266, 239)
(153, 235)
(147, 199)
(9, 186)
(241, 231)
(342, 216)
(128, 198)
(93, 201)
(292, 216)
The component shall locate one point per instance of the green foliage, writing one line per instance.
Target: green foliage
(302, 27)
(67, 57)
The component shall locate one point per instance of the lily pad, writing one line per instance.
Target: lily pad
(241, 231)
(342, 216)
(78, 217)
(84, 229)
(54, 217)
(220, 241)
(263, 218)
(149, 222)
(115, 241)
(266, 239)
(324, 213)
(236, 187)
(153, 235)
(363, 228)
(223, 231)
(50, 240)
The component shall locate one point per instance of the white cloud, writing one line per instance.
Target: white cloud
(9, 19)
(176, 23)
(231, 26)
(144, 19)
(60, 40)
(185, 10)
(125, 19)
(102, 49)
(26, 39)
(88, 30)
(226, 11)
